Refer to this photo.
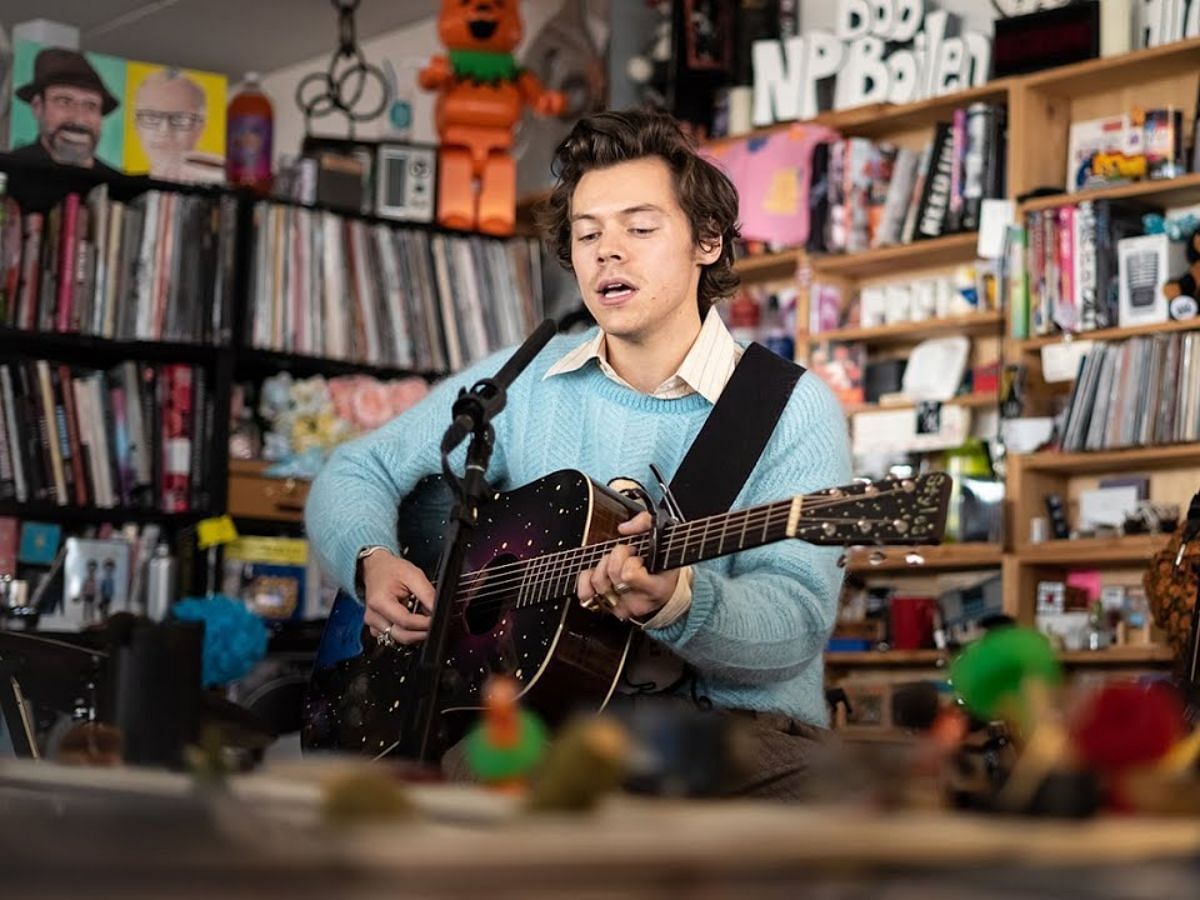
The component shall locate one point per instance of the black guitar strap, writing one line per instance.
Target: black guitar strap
(710, 477)
(735, 433)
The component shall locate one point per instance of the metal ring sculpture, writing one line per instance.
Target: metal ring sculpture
(342, 87)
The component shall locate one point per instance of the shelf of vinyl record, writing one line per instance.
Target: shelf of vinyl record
(346, 288)
(156, 268)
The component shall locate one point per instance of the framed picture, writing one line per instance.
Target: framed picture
(95, 585)
(406, 182)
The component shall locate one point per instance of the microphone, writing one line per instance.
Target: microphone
(487, 397)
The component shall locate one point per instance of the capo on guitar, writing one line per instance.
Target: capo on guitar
(670, 504)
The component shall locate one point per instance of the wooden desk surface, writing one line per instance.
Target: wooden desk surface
(109, 826)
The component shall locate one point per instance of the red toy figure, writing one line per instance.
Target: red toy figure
(482, 92)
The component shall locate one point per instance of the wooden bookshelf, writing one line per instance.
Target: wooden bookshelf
(1094, 552)
(1109, 460)
(763, 266)
(1031, 345)
(1116, 73)
(1181, 191)
(911, 332)
(943, 251)
(946, 557)
(972, 401)
(879, 119)
(876, 659)
(1119, 656)
(1150, 654)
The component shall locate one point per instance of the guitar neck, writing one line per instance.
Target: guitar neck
(891, 511)
(554, 575)
(691, 542)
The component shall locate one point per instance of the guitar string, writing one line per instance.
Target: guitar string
(690, 526)
(577, 561)
(497, 592)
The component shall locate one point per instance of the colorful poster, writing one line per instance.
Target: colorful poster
(174, 123)
(88, 109)
(66, 106)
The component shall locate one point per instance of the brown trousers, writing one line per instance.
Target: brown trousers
(770, 757)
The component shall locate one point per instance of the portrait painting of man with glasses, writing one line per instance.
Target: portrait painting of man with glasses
(69, 102)
(170, 113)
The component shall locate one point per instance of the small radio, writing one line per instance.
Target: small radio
(405, 182)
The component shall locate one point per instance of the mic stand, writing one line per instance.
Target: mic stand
(473, 412)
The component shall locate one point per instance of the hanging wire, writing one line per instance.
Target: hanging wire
(343, 87)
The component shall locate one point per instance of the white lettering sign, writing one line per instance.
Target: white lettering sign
(855, 57)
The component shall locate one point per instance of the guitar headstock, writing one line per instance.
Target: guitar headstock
(890, 511)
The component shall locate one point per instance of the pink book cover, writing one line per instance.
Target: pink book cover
(69, 253)
(177, 438)
(1069, 316)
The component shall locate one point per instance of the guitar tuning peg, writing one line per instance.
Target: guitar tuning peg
(842, 561)
(877, 558)
(914, 559)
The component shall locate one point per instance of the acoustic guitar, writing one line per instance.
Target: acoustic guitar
(515, 611)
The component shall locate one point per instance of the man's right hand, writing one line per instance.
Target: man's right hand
(399, 598)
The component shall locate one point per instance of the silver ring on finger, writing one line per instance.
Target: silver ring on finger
(622, 588)
(385, 638)
(611, 598)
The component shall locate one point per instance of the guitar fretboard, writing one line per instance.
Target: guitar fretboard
(554, 575)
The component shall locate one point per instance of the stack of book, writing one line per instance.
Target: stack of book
(158, 268)
(1071, 265)
(350, 288)
(865, 194)
(130, 437)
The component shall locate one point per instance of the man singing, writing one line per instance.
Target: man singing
(646, 225)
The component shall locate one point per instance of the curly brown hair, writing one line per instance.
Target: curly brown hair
(706, 195)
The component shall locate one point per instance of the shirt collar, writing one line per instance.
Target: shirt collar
(705, 370)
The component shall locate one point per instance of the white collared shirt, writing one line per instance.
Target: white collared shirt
(705, 370)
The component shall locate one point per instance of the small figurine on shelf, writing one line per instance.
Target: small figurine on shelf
(1183, 293)
(481, 91)
(505, 747)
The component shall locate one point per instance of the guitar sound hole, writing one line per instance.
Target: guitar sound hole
(491, 600)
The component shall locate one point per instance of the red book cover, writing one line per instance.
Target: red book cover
(68, 254)
(177, 438)
(10, 260)
(9, 530)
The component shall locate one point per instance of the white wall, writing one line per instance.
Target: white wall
(408, 50)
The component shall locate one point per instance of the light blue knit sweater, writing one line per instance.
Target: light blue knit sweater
(758, 619)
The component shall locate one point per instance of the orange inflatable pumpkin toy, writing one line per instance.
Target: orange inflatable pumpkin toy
(481, 96)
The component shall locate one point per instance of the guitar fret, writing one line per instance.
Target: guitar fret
(745, 523)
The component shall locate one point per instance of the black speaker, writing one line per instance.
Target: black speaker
(156, 683)
(1047, 38)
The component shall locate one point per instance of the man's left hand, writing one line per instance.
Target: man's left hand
(620, 582)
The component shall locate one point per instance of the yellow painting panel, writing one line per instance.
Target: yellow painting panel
(174, 123)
